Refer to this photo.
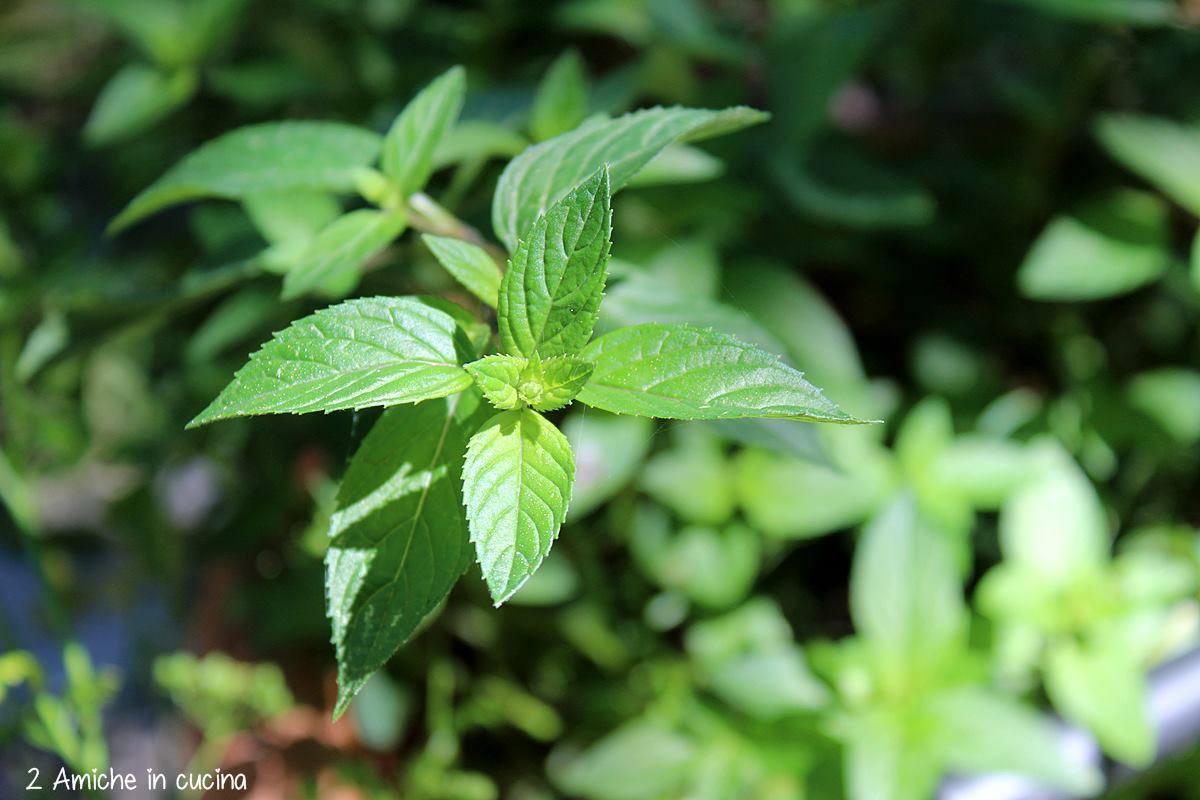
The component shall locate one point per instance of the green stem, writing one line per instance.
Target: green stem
(428, 216)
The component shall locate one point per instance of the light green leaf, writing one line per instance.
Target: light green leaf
(1171, 396)
(1112, 247)
(977, 731)
(477, 140)
(510, 382)
(470, 265)
(676, 164)
(1164, 152)
(290, 216)
(551, 292)
(608, 450)
(905, 594)
(714, 568)
(516, 487)
(561, 101)
(398, 537)
(498, 377)
(683, 372)
(882, 762)
(313, 156)
(1103, 689)
(777, 435)
(330, 264)
(134, 99)
(45, 342)
(409, 146)
(375, 351)
(985, 471)
(538, 177)
(642, 760)
(793, 499)
(1054, 525)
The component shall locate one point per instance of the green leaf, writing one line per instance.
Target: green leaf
(1054, 525)
(551, 292)
(470, 265)
(882, 761)
(1171, 396)
(1110, 248)
(1196, 262)
(777, 435)
(281, 156)
(538, 177)
(290, 216)
(793, 499)
(683, 372)
(978, 731)
(561, 101)
(330, 264)
(375, 351)
(133, 100)
(714, 568)
(516, 487)
(905, 594)
(398, 537)
(608, 451)
(642, 760)
(676, 164)
(1164, 152)
(409, 146)
(498, 377)
(986, 471)
(509, 382)
(1103, 689)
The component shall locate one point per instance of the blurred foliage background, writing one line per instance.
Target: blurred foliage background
(974, 219)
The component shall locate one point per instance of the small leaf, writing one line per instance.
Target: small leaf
(516, 486)
(905, 594)
(976, 731)
(418, 130)
(1109, 248)
(498, 376)
(331, 262)
(290, 216)
(551, 292)
(1164, 152)
(683, 372)
(133, 100)
(691, 479)
(314, 156)
(554, 382)
(641, 760)
(470, 265)
(398, 537)
(561, 100)
(539, 176)
(367, 352)
(1171, 396)
(1054, 525)
(1103, 688)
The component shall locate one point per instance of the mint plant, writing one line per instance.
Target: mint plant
(403, 530)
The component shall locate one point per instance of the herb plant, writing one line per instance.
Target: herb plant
(400, 537)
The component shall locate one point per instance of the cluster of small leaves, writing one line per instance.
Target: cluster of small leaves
(400, 537)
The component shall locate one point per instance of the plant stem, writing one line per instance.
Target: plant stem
(427, 215)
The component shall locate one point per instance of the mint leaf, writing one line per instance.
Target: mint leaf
(498, 376)
(315, 156)
(418, 130)
(642, 760)
(539, 176)
(905, 594)
(551, 383)
(330, 263)
(1164, 152)
(290, 216)
(375, 351)
(399, 539)
(134, 99)
(976, 730)
(1109, 248)
(516, 487)
(561, 100)
(683, 372)
(551, 292)
(1101, 686)
(470, 265)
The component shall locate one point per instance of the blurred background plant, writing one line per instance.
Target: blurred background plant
(977, 221)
